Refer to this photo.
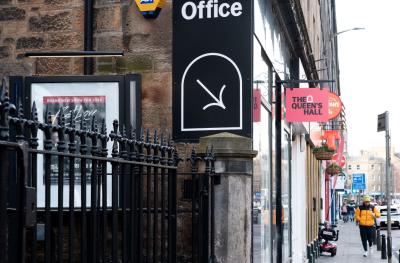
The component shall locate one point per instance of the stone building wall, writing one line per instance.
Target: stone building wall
(39, 25)
(34, 25)
(46, 25)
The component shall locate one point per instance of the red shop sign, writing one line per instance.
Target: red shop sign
(307, 105)
(256, 105)
(342, 162)
(335, 105)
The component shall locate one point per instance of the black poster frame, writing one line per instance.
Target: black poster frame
(129, 97)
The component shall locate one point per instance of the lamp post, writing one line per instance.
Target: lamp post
(383, 125)
(333, 68)
(347, 30)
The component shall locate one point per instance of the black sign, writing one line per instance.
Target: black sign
(382, 122)
(212, 68)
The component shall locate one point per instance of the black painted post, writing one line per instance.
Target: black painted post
(278, 165)
(389, 247)
(309, 253)
(383, 252)
(378, 240)
(3, 204)
(4, 161)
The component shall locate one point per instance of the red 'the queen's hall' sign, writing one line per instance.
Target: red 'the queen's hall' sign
(307, 105)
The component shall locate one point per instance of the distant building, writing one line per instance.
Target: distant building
(372, 163)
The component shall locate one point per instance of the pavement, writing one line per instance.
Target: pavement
(350, 250)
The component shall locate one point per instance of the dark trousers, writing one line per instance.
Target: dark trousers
(367, 234)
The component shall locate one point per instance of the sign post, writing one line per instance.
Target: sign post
(383, 125)
(212, 68)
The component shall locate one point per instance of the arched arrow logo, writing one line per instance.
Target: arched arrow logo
(218, 102)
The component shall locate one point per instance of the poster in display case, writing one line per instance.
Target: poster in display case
(105, 98)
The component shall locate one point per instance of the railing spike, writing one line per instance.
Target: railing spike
(141, 134)
(115, 149)
(103, 127)
(115, 126)
(124, 132)
(34, 112)
(162, 139)
(61, 119)
(83, 123)
(3, 90)
(147, 135)
(155, 137)
(133, 133)
(94, 124)
(48, 117)
(72, 120)
(20, 113)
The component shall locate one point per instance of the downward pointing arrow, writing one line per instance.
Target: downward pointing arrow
(218, 102)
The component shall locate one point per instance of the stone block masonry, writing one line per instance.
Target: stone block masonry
(39, 25)
(12, 13)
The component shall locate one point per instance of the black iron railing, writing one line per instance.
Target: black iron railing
(127, 207)
(107, 197)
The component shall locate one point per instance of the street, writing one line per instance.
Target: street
(350, 249)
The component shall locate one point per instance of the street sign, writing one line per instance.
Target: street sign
(342, 162)
(382, 122)
(256, 105)
(212, 68)
(335, 105)
(359, 182)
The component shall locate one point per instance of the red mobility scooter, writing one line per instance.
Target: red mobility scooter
(327, 233)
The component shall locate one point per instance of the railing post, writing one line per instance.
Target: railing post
(173, 160)
(3, 204)
(194, 159)
(214, 181)
(4, 135)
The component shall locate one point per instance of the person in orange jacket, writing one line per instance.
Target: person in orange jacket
(365, 216)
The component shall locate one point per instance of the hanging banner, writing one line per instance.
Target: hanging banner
(256, 105)
(307, 105)
(335, 105)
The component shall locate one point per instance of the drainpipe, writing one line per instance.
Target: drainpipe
(88, 36)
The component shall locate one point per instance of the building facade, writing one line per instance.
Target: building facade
(293, 39)
(372, 162)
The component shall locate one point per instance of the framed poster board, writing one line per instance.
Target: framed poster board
(102, 97)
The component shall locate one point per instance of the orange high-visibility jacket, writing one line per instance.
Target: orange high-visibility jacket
(364, 215)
